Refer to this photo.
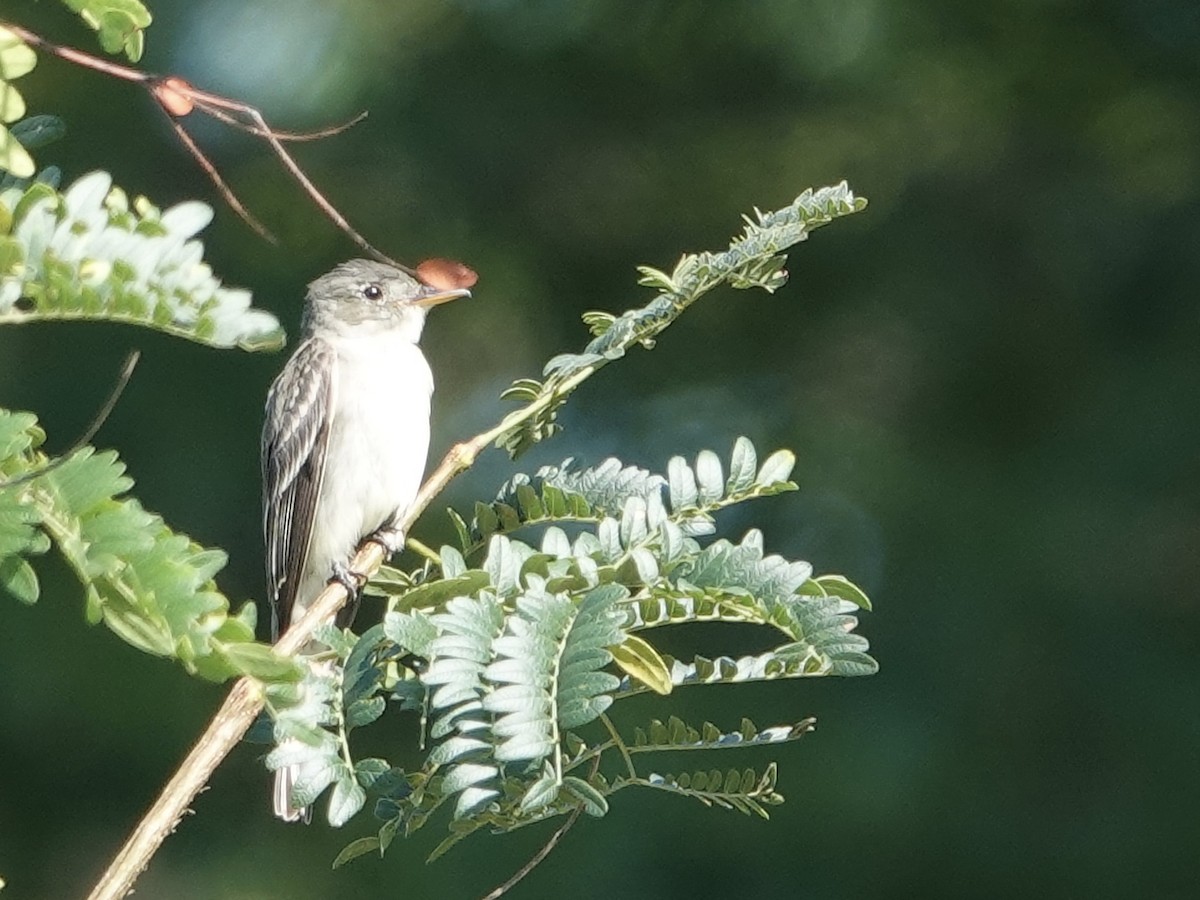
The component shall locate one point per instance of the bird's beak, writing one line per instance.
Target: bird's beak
(434, 297)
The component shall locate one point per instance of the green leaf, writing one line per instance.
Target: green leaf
(542, 792)
(259, 661)
(594, 803)
(356, 848)
(709, 477)
(140, 268)
(153, 587)
(638, 659)
(347, 799)
(651, 277)
(753, 259)
(777, 468)
(743, 466)
(744, 791)
(412, 631)
(676, 734)
(840, 586)
(16, 58)
(13, 157)
(37, 131)
(12, 105)
(18, 578)
(682, 481)
(119, 24)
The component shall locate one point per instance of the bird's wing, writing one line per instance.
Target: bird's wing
(295, 438)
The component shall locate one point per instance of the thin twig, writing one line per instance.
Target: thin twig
(176, 97)
(302, 177)
(541, 855)
(78, 56)
(538, 857)
(245, 700)
(114, 395)
(422, 550)
(620, 744)
(317, 135)
(218, 182)
(94, 426)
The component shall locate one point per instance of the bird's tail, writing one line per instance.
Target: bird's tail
(285, 780)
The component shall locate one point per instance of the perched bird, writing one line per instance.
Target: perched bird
(345, 438)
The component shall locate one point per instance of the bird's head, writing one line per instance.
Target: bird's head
(363, 296)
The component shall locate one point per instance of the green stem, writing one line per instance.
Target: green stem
(620, 744)
(422, 550)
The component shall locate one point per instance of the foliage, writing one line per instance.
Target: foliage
(513, 652)
(754, 259)
(518, 649)
(119, 24)
(151, 586)
(88, 253)
(16, 59)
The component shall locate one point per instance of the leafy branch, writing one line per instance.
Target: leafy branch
(120, 25)
(518, 648)
(520, 773)
(90, 253)
(754, 259)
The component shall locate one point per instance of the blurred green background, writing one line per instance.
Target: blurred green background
(989, 378)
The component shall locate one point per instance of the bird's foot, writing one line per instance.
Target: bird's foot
(391, 539)
(353, 582)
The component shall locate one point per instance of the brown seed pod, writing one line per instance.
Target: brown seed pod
(172, 93)
(446, 274)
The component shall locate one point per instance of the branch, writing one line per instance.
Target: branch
(245, 701)
(94, 426)
(538, 858)
(753, 259)
(177, 98)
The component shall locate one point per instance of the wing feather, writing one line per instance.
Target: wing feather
(294, 443)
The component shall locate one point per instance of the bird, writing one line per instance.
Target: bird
(345, 439)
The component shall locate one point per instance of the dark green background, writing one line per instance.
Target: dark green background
(989, 378)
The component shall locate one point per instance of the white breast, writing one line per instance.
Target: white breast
(377, 447)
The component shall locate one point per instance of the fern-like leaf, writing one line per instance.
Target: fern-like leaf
(458, 657)
(675, 734)
(153, 587)
(89, 254)
(754, 259)
(740, 789)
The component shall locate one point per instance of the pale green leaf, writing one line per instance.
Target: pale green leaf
(15, 159)
(16, 58)
(777, 467)
(356, 848)
(640, 660)
(18, 578)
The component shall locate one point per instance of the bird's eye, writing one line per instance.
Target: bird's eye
(373, 292)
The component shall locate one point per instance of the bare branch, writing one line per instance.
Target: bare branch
(78, 56)
(262, 129)
(541, 855)
(229, 120)
(178, 98)
(218, 182)
(98, 420)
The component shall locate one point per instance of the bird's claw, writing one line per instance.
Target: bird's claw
(353, 582)
(391, 539)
